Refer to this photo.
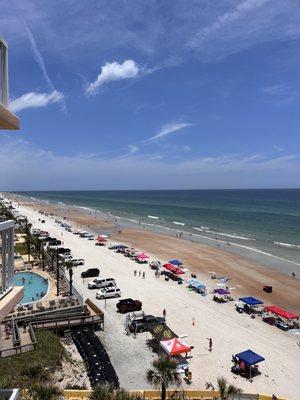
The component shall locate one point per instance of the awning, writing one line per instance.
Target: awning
(251, 301)
(176, 262)
(221, 291)
(249, 357)
(173, 269)
(162, 332)
(175, 346)
(281, 312)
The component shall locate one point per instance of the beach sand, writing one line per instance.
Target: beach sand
(231, 332)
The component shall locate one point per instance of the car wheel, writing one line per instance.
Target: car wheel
(117, 295)
(101, 297)
(141, 330)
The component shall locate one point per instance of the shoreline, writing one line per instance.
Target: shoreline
(248, 272)
(97, 220)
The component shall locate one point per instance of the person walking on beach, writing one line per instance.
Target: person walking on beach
(209, 344)
(164, 313)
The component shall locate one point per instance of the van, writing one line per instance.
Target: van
(99, 283)
(90, 273)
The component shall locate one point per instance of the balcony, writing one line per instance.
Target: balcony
(8, 120)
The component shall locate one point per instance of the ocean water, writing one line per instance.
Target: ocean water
(268, 220)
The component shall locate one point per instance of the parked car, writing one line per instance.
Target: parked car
(145, 323)
(62, 250)
(106, 293)
(128, 305)
(90, 273)
(282, 325)
(65, 256)
(76, 261)
(270, 320)
(101, 283)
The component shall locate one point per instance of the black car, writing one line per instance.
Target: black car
(90, 273)
(129, 305)
(145, 323)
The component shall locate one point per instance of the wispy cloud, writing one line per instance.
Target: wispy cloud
(168, 129)
(55, 96)
(282, 94)
(35, 100)
(113, 72)
(37, 56)
(278, 148)
(134, 172)
(133, 148)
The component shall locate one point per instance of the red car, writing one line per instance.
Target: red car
(128, 305)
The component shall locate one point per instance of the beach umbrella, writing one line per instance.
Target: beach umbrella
(176, 262)
(175, 346)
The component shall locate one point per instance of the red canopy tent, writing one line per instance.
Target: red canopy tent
(173, 269)
(281, 312)
(101, 239)
(175, 346)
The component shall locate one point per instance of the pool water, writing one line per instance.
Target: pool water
(35, 287)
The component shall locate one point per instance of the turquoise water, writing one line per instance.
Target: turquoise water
(268, 220)
(34, 286)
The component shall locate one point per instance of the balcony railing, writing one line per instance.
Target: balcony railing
(8, 120)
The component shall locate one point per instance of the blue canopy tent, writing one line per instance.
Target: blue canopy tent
(249, 358)
(196, 284)
(176, 262)
(250, 301)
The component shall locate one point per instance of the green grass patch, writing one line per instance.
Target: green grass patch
(48, 354)
(21, 248)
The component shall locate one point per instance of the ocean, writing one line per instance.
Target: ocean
(266, 220)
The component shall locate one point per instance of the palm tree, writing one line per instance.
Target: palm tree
(163, 374)
(45, 392)
(227, 391)
(102, 392)
(35, 373)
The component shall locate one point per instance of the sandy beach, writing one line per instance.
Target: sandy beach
(231, 332)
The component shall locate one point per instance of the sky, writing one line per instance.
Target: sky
(173, 94)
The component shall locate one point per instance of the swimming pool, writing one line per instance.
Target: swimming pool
(35, 287)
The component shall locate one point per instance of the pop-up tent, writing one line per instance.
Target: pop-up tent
(250, 301)
(221, 291)
(281, 312)
(173, 269)
(175, 346)
(249, 358)
(176, 262)
(142, 256)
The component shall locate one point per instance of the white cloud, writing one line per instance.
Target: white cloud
(134, 172)
(113, 72)
(278, 148)
(133, 148)
(35, 100)
(168, 129)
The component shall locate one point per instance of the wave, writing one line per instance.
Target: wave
(198, 229)
(178, 223)
(289, 245)
(206, 228)
(85, 208)
(153, 217)
(232, 235)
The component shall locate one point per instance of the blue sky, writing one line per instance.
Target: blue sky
(135, 95)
